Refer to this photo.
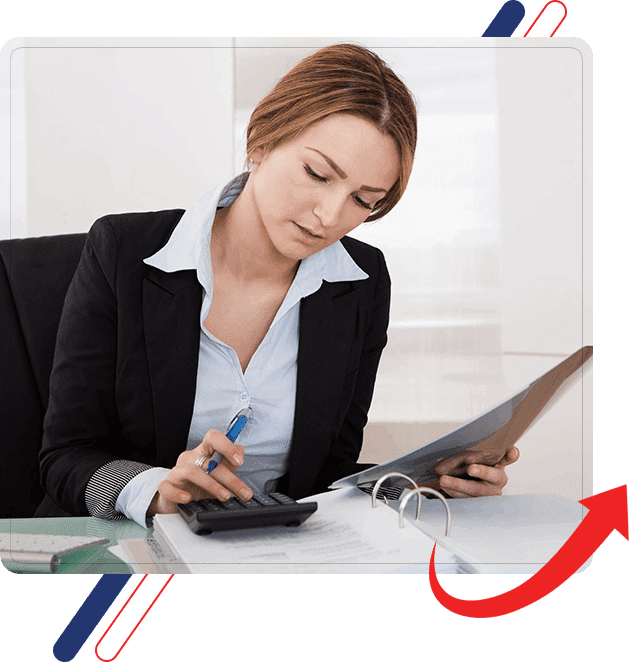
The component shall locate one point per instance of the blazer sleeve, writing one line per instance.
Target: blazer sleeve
(343, 455)
(80, 465)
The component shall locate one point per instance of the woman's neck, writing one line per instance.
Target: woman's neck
(241, 247)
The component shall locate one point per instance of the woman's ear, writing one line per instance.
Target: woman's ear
(255, 157)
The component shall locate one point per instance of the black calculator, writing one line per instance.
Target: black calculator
(273, 509)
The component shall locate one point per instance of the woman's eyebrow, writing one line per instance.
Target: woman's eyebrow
(342, 174)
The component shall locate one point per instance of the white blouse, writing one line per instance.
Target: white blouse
(267, 386)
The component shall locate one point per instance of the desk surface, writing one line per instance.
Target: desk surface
(94, 561)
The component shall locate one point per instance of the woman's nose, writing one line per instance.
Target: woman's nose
(329, 208)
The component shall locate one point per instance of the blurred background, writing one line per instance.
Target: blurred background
(489, 249)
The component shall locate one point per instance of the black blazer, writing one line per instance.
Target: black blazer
(124, 375)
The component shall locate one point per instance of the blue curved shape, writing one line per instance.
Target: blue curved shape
(506, 20)
(88, 616)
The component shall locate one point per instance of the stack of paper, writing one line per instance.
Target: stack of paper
(345, 535)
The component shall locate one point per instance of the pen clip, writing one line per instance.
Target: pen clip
(238, 423)
(243, 412)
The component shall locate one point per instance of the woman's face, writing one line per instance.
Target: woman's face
(312, 190)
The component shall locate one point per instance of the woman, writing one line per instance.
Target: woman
(254, 297)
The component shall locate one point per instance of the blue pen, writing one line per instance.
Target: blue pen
(233, 430)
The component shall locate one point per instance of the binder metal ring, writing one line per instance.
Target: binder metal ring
(381, 480)
(425, 490)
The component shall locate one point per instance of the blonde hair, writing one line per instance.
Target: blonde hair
(343, 78)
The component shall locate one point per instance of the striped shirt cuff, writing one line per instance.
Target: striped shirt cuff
(106, 484)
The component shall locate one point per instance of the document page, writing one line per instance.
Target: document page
(519, 533)
(345, 535)
(494, 432)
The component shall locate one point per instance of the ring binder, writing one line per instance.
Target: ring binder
(384, 493)
(381, 480)
(418, 491)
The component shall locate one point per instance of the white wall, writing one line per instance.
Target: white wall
(12, 139)
(541, 204)
(120, 128)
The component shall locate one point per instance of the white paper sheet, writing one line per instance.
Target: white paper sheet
(344, 535)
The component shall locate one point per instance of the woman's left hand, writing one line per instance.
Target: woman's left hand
(485, 480)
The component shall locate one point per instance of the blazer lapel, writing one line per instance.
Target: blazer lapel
(326, 333)
(171, 308)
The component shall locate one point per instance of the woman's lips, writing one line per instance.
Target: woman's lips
(307, 235)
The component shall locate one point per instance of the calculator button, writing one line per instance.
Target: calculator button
(282, 498)
(248, 504)
(264, 500)
(209, 504)
(232, 504)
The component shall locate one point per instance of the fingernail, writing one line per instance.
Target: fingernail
(473, 471)
(237, 460)
(223, 494)
(445, 480)
(246, 494)
(183, 497)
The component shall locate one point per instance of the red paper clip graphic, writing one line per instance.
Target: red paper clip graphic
(138, 623)
(565, 10)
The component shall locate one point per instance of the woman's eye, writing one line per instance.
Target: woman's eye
(362, 203)
(314, 175)
(320, 178)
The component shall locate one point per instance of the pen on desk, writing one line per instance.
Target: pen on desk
(233, 430)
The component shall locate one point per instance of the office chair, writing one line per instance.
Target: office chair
(34, 277)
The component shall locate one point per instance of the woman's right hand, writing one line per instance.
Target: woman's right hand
(188, 482)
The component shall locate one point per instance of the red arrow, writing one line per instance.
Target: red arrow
(606, 511)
